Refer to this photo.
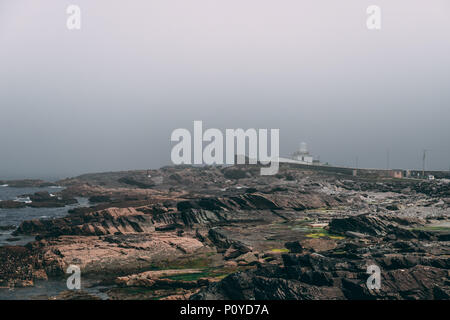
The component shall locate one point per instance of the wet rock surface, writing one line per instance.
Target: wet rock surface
(10, 204)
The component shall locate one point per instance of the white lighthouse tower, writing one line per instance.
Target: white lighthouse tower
(302, 154)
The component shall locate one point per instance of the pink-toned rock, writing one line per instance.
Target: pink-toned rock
(116, 252)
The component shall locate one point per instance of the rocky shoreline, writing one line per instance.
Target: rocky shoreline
(229, 233)
(40, 199)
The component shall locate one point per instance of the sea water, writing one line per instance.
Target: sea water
(13, 217)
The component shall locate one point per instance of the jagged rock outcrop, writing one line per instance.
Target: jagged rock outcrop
(44, 199)
(324, 276)
(383, 225)
(103, 222)
(201, 211)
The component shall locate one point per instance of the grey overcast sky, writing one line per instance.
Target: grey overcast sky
(108, 96)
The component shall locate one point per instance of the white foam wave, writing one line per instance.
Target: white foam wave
(23, 199)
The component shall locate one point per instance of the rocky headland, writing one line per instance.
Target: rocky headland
(228, 233)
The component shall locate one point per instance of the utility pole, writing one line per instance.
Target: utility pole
(356, 162)
(387, 159)
(423, 162)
